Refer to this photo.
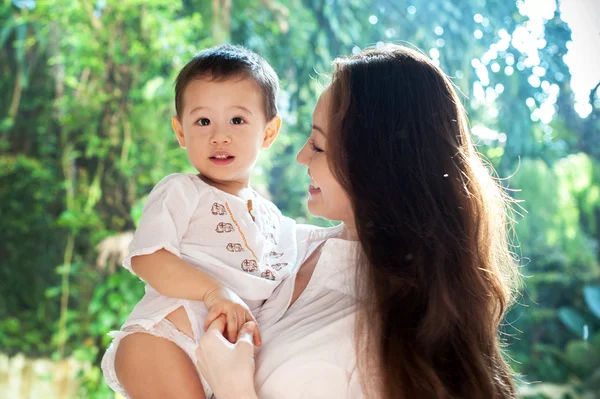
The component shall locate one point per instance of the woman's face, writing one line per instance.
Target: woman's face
(327, 198)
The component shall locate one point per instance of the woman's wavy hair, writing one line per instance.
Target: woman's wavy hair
(437, 273)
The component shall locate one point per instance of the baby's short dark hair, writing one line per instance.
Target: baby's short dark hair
(225, 62)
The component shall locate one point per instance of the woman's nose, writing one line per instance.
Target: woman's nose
(303, 157)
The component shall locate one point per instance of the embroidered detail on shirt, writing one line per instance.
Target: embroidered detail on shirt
(278, 266)
(224, 228)
(271, 237)
(218, 209)
(240, 230)
(268, 275)
(274, 254)
(231, 247)
(249, 265)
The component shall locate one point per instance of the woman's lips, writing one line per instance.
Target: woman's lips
(313, 190)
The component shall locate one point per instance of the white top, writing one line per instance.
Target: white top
(215, 232)
(308, 349)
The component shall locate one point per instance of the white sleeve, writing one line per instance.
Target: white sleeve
(165, 217)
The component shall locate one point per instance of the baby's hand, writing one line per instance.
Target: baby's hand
(223, 301)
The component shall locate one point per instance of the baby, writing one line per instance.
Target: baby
(207, 244)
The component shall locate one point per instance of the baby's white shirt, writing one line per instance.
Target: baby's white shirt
(215, 232)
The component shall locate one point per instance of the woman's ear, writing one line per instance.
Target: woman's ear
(271, 131)
(178, 129)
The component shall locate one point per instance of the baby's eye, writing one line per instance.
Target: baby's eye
(237, 121)
(203, 121)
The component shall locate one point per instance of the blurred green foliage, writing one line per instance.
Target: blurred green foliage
(85, 106)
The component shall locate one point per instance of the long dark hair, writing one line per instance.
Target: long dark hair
(437, 274)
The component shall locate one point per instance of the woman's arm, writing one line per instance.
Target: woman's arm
(228, 368)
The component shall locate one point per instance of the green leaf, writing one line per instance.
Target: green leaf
(592, 298)
(572, 320)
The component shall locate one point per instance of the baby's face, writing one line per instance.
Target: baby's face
(223, 127)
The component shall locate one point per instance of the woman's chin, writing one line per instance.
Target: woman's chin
(314, 207)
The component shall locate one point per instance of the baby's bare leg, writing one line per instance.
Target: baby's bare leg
(153, 367)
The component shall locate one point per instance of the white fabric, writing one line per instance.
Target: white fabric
(215, 232)
(163, 329)
(308, 349)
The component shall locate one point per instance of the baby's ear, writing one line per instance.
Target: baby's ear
(178, 129)
(271, 131)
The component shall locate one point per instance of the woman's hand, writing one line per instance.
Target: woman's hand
(223, 301)
(228, 368)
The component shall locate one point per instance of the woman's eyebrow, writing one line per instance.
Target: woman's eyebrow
(318, 129)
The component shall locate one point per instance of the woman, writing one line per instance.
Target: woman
(404, 299)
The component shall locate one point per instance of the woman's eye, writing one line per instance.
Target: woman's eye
(315, 148)
(203, 122)
(237, 121)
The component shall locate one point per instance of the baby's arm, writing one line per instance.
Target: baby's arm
(172, 276)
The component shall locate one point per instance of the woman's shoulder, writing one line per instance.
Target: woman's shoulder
(317, 233)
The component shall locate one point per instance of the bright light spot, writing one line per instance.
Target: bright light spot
(546, 112)
(411, 9)
(440, 42)
(559, 76)
(436, 62)
(434, 53)
(530, 102)
(502, 137)
(495, 67)
(504, 35)
(478, 92)
(439, 30)
(373, 19)
(545, 85)
(509, 70)
(534, 81)
(355, 50)
(536, 9)
(380, 44)
(475, 62)
(541, 43)
(482, 74)
(520, 65)
(478, 34)
(583, 109)
(478, 18)
(499, 88)
(485, 133)
(485, 23)
(459, 74)
(390, 32)
(583, 57)
(510, 59)
(586, 332)
(539, 71)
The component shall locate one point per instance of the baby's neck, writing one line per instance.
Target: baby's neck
(238, 188)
